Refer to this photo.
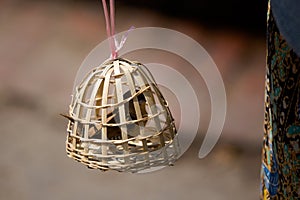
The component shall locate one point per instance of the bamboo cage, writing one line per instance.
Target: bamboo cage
(119, 120)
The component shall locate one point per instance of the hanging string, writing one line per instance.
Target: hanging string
(112, 16)
(115, 46)
(110, 26)
(123, 39)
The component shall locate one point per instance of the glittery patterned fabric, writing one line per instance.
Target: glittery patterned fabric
(280, 173)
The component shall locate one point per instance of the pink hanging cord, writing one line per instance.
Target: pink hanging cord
(110, 26)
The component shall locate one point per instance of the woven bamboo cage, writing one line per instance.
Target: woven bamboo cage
(119, 120)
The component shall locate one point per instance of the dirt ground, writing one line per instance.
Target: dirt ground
(41, 48)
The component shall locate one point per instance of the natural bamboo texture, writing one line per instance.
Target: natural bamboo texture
(118, 119)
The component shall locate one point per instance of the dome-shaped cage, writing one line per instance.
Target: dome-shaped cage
(120, 120)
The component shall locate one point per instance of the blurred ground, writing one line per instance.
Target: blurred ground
(42, 47)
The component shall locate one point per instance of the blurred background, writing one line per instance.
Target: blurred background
(42, 44)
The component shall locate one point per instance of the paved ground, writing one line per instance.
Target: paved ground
(41, 48)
